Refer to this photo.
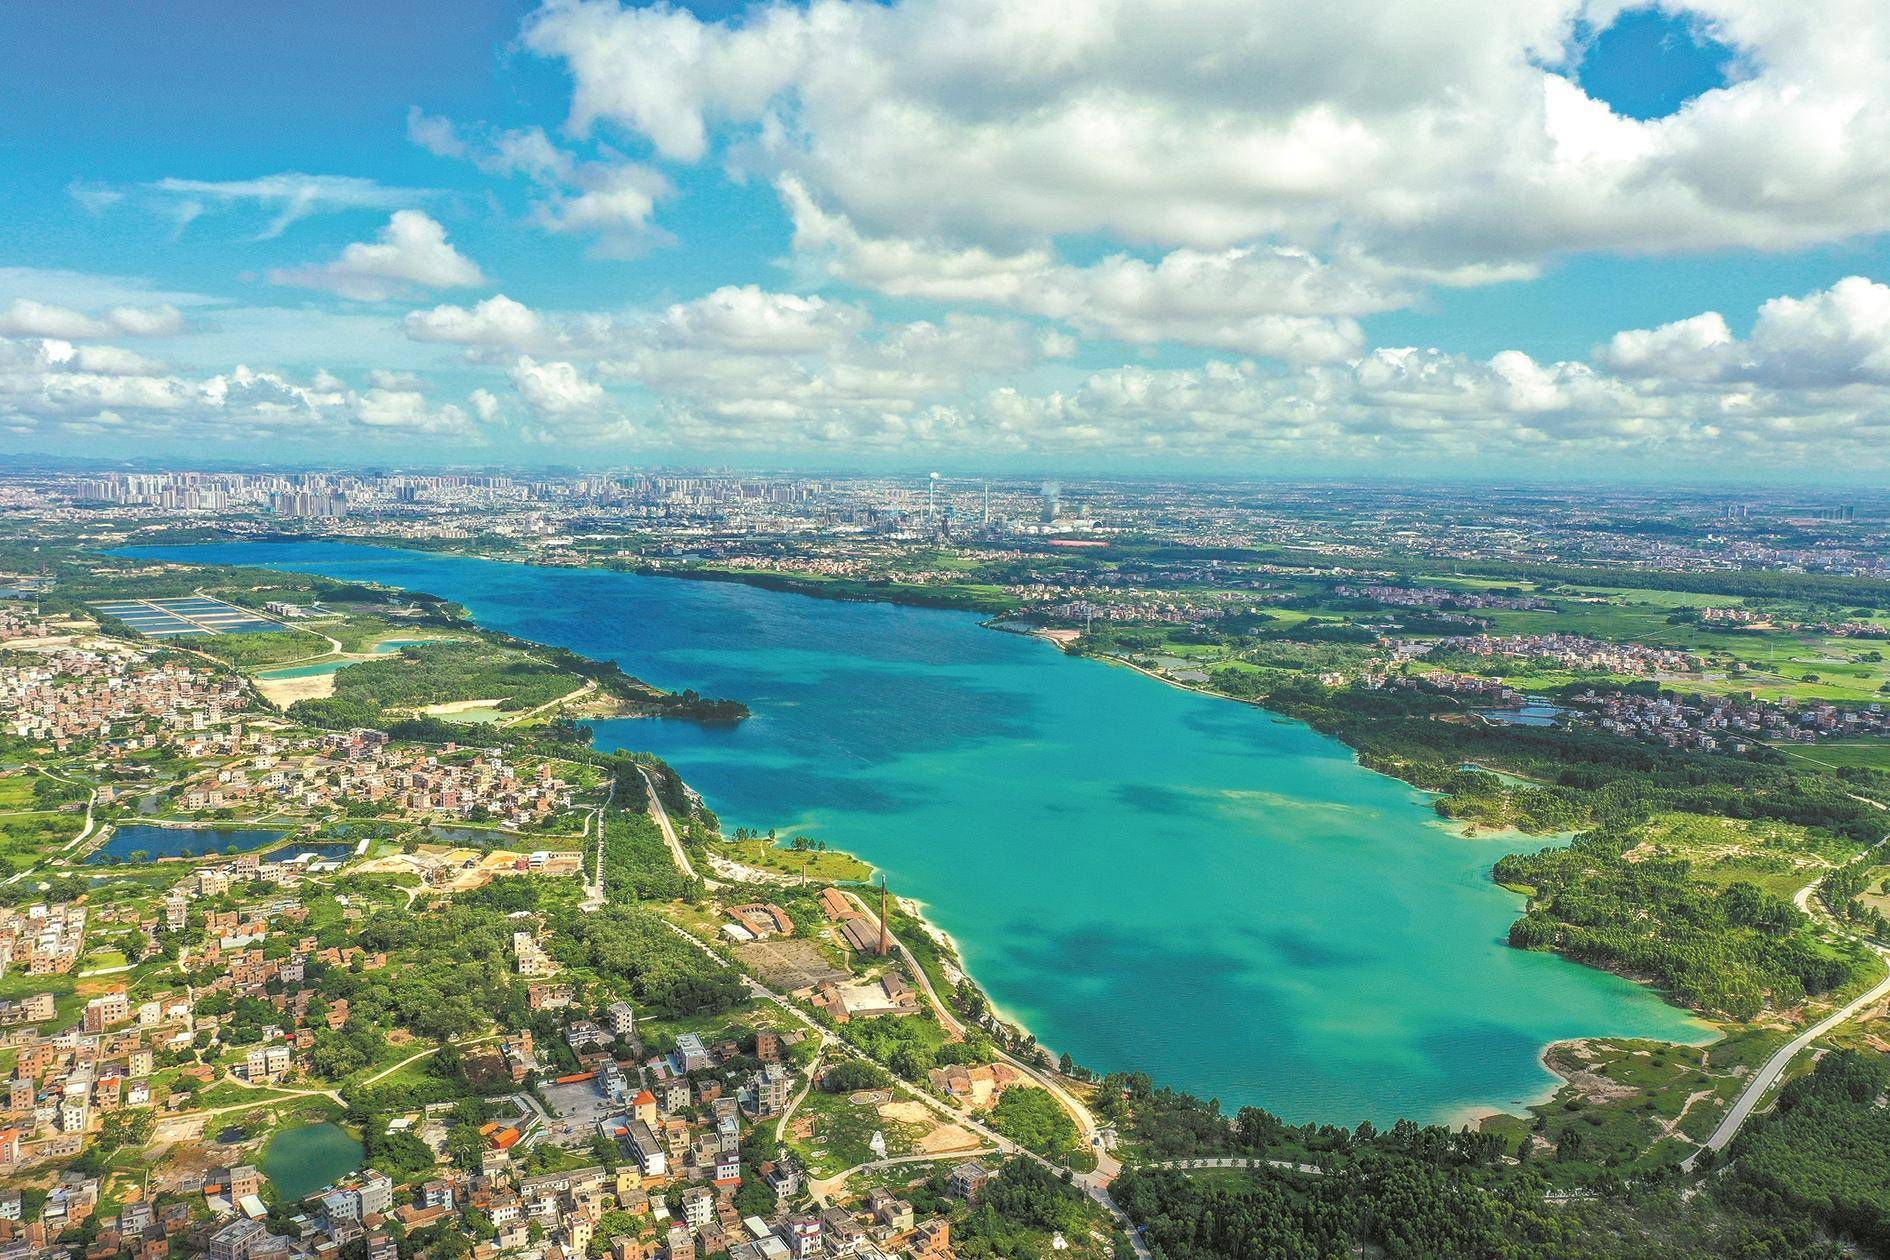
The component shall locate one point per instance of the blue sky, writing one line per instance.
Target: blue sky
(1557, 236)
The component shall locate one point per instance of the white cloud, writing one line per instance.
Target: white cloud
(1272, 301)
(54, 386)
(25, 317)
(412, 253)
(436, 135)
(96, 198)
(1440, 146)
(749, 319)
(83, 290)
(496, 322)
(407, 411)
(554, 388)
(611, 198)
(614, 200)
(292, 195)
(1833, 338)
(1697, 348)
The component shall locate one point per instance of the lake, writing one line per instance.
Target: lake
(300, 1161)
(157, 842)
(1149, 879)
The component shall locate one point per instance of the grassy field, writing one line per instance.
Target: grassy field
(263, 648)
(1872, 754)
(826, 867)
(16, 793)
(26, 837)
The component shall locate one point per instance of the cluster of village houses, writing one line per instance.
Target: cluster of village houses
(17, 623)
(123, 699)
(126, 701)
(66, 1081)
(1573, 652)
(1725, 723)
(1439, 597)
(318, 772)
(40, 940)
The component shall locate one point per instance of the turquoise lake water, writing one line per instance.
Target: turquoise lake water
(1149, 879)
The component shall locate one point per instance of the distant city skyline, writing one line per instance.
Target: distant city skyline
(1544, 240)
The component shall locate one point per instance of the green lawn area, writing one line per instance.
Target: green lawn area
(827, 867)
(100, 959)
(16, 792)
(1874, 893)
(1872, 754)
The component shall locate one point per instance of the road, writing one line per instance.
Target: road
(90, 802)
(594, 892)
(1774, 1067)
(1237, 1161)
(813, 1070)
(676, 850)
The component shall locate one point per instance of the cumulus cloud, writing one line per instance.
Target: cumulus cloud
(1802, 382)
(56, 386)
(406, 411)
(554, 388)
(1266, 300)
(749, 319)
(1451, 150)
(497, 322)
(411, 253)
(743, 367)
(1831, 339)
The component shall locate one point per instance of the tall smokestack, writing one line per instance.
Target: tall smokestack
(885, 933)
